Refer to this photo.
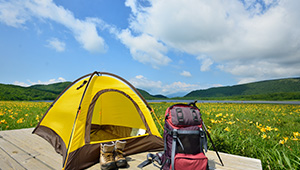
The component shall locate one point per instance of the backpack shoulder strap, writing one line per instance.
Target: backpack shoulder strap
(174, 139)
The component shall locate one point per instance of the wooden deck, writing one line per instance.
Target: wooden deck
(19, 149)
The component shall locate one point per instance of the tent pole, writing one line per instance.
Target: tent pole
(74, 124)
(131, 86)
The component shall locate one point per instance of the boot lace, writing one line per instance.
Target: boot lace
(108, 157)
(119, 154)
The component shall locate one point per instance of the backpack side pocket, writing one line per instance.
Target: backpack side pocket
(191, 161)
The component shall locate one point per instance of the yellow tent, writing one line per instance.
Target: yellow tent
(97, 108)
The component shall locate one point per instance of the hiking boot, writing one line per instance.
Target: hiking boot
(119, 157)
(107, 160)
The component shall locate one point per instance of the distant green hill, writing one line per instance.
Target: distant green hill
(55, 88)
(280, 89)
(12, 92)
(45, 92)
(148, 96)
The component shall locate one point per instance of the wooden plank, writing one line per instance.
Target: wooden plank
(7, 162)
(34, 145)
(232, 162)
(19, 149)
(18, 154)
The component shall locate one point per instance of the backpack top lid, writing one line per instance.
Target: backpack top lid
(183, 115)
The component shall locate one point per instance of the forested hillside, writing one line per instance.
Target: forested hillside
(12, 92)
(45, 92)
(281, 89)
(55, 88)
(148, 96)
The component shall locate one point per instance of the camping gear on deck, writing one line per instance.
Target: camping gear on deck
(120, 160)
(111, 155)
(184, 140)
(94, 109)
(107, 159)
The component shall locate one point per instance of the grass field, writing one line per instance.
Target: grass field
(269, 132)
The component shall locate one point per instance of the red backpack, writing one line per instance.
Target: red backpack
(184, 139)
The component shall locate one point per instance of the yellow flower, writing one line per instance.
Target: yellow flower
(281, 142)
(20, 120)
(296, 134)
(37, 117)
(264, 136)
(230, 122)
(218, 115)
(3, 121)
(285, 139)
(276, 129)
(26, 114)
(263, 129)
(227, 129)
(268, 128)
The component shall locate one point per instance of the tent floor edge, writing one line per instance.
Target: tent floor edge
(77, 158)
(52, 137)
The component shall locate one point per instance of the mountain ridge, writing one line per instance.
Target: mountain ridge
(9, 92)
(279, 87)
(276, 89)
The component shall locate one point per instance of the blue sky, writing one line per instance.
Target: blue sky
(164, 47)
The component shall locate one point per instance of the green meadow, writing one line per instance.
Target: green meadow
(269, 132)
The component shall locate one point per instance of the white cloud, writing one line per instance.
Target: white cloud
(30, 83)
(145, 84)
(260, 70)
(177, 87)
(145, 49)
(157, 87)
(240, 35)
(18, 83)
(17, 13)
(132, 4)
(186, 74)
(13, 13)
(56, 44)
(206, 62)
